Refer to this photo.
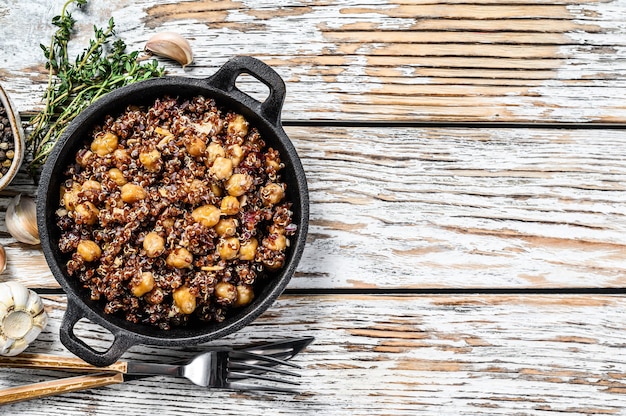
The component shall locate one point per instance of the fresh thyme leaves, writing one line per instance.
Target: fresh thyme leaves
(74, 84)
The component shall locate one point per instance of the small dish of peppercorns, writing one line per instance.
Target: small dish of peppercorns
(11, 140)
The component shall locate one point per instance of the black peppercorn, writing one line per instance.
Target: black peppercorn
(6, 142)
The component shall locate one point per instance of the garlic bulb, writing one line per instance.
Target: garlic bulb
(170, 45)
(22, 317)
(21, 219)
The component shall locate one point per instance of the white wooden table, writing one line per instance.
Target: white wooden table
(467, 173)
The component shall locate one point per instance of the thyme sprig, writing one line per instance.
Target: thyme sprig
(74, 84)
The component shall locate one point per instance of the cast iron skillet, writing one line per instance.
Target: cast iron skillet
(221, 87)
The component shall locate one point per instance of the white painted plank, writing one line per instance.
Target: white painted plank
(452, 355)
(447, 208)
(336, 61)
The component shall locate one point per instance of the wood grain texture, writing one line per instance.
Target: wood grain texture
(57, 362)
(395, 208)
(446, 208)
(12, 395)
(452, 355)
(374, 60)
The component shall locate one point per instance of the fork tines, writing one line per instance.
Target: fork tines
(234, 375)
(257, 358)
(249, 366)
(255, 369)
(283, 349)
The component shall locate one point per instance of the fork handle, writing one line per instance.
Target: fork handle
(54, 387)
(55, 362)
(153, 369)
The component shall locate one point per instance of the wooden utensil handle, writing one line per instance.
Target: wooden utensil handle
(55, 362)
(54, 387)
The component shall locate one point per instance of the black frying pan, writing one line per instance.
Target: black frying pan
(221, 87)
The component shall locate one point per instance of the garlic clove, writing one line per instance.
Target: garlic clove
(170, 45)
(21, 219)
(6, 299)
(19, 293)
(15, 348)
(22, 317)
(32, 334)
(41, 320)
(34, 304)
(6, 344)
(4, 311)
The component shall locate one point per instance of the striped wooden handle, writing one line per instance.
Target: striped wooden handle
(55, 387)
(55, 362)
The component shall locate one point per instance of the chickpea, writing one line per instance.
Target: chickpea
(88, 250)
(235, 152)
(104, 144)
(247, 251)
(207, 215)
(142, 285)
(91, 189)
(214, 151)
(275, 229)
(133, 193)
(245, 295)
(196, 147)
(225, 292)
(273, 264)
(222, 168)
(238, 126)
(154, 244)
(228, 248)
(272, 194)
(121, 156)
(184, 300)
(229, 205)
(275, 242)
(226, 227)
(196, 185)
(179, 258)
(91, 185)
(117, 176)
(86, 213)
(272, 164)
(168, 223)
(238, 184)
(70, 197)
(151, 160)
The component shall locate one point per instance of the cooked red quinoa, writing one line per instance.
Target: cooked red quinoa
(174, 212)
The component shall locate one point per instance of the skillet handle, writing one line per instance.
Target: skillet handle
(227, 75)
(120, 344)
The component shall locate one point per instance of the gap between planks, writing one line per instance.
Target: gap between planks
(46, 291)
(25, 115)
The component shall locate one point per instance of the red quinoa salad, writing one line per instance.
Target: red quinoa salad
(174, 213)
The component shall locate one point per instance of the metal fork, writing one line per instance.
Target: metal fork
(225, 370)
(222, 368)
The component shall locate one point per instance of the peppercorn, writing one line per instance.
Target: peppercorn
(7, 152)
